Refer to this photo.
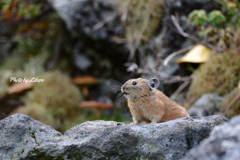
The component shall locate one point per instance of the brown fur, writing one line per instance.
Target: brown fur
(150, 105)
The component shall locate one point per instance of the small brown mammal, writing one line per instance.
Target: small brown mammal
(148, 104)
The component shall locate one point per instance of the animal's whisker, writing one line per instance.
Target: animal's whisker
(115, 86)
(116, 82)
(119, 94)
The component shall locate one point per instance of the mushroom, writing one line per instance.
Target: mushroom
(198, 54)
(85, 82)
(20, 87)
(100, 106)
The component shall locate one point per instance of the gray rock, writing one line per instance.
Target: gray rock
(222, 144)
(22, 137)
(94, 26)
(208, 104)
(89, 17)
(81, 60)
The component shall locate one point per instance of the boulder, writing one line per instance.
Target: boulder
(208, 104)
(94, 26)
(222, 144)
(96, 19)
(22, 137)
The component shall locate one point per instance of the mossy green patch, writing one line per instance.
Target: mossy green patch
(54, 101)
(141, 19)
(38, 112)
(220, 74)
(231, 104)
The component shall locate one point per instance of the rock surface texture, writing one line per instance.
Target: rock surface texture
(87, 18)
(223, 143)
(22, 137)
(208, 104)
(94, 24)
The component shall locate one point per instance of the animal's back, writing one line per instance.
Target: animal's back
(172, 110)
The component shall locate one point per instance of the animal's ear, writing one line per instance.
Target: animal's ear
(153, 83)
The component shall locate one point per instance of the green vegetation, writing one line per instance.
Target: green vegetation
(54, 101)
(219, 29)
(219, 23)
(142, 19)
(14, 66)
(16, 9)
(38, 112)
(220, 74)
(231, 103)
(39, 44)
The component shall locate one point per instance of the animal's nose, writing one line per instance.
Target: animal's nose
(123, 88)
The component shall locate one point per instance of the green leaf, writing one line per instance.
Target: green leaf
(6, 5)
(192, 15)
(198, 17)
(216, 17)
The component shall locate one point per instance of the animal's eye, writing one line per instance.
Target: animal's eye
(134, 83)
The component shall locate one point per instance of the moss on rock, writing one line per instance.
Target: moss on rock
(57, 91)
(143, 18)
(59, 98)
(38, 112)
(231, 104)
(220, 74)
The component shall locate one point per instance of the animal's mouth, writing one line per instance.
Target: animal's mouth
(123, 92)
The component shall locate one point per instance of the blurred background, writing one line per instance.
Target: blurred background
(62, 62)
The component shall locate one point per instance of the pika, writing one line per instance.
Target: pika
(148, 104)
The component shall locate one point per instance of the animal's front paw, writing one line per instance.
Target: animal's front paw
(134, 123)
(153, 122)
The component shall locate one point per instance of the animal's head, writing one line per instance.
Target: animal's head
(137, 88)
